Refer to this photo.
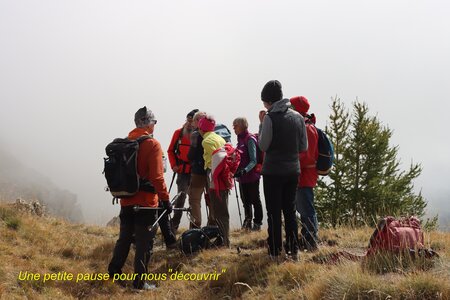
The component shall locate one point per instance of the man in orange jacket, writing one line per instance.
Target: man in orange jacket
(179, 162)
(137, 223)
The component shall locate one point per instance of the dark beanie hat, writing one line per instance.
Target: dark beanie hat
(191, 114)
(271, 92)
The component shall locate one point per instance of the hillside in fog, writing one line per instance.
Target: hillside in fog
(20, 181)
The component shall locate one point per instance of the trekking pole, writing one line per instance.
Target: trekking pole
(138, 208)
(237, 200)
(206, 203)
(165, 210)
(171, 183)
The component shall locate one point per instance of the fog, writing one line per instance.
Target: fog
(73, 73)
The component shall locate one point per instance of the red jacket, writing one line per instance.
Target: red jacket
(150, 166)
(308, 172)
(180, 159)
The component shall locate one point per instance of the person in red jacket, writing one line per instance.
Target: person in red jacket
(179, 162)
(308, 178)
(137, 223)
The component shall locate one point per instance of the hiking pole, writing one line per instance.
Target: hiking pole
(237, 200)
(206, 203)
(171, 183)
(165, 210)
(138, 208)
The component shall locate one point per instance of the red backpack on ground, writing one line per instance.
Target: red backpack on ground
(396, 235)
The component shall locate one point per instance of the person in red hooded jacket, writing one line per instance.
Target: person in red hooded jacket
(137, 223)
(308, 178)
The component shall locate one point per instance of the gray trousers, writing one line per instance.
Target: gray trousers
(183, 181)
(219, 210)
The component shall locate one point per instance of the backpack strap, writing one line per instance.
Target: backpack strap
(143, 138)
(177, 150)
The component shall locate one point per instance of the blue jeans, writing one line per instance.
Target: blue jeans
(305, 206)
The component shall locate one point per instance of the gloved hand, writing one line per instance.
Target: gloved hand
(167, 206)
(239, 173)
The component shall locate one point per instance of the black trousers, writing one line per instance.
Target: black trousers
(135, 224)
(165, 226)
(251, 201)
(279, 192)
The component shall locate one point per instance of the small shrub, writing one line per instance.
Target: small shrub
(431, 224)
(10, 218)
(13, 223)
(6, 213)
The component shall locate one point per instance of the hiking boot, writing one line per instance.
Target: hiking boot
(256, 227)
(292, 257)
(144, 287)
(247, 225)
(276, 258)
(307, 246)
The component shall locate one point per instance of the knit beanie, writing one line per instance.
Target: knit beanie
(191, 114)
(143, 117)
(300, 104)
(206, 124)
(271, 92)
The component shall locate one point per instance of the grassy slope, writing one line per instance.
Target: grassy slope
(46, 245)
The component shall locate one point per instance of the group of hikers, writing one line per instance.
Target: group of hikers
(284, 152)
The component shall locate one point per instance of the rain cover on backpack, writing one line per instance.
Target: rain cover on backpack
(396, 235)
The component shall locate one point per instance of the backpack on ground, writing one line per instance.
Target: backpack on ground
(121, 168)
(194, 240)
(223, 131)
(391, 236)
(326, 153)
(396, 235)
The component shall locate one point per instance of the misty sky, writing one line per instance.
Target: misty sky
(72, 74)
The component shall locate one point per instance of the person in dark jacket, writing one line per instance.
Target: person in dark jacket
(282, 136)
(248, 175)
(198, 174)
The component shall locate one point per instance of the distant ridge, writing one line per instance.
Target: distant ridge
(20, 181)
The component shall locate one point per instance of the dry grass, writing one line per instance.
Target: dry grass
(49, 245)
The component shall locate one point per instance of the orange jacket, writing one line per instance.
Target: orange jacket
(180, 159)
(150, 166)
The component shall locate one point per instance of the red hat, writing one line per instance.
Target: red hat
(206, 124)
(300, 104)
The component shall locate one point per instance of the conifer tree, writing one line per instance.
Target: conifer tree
(332, 193)
(366, 182)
